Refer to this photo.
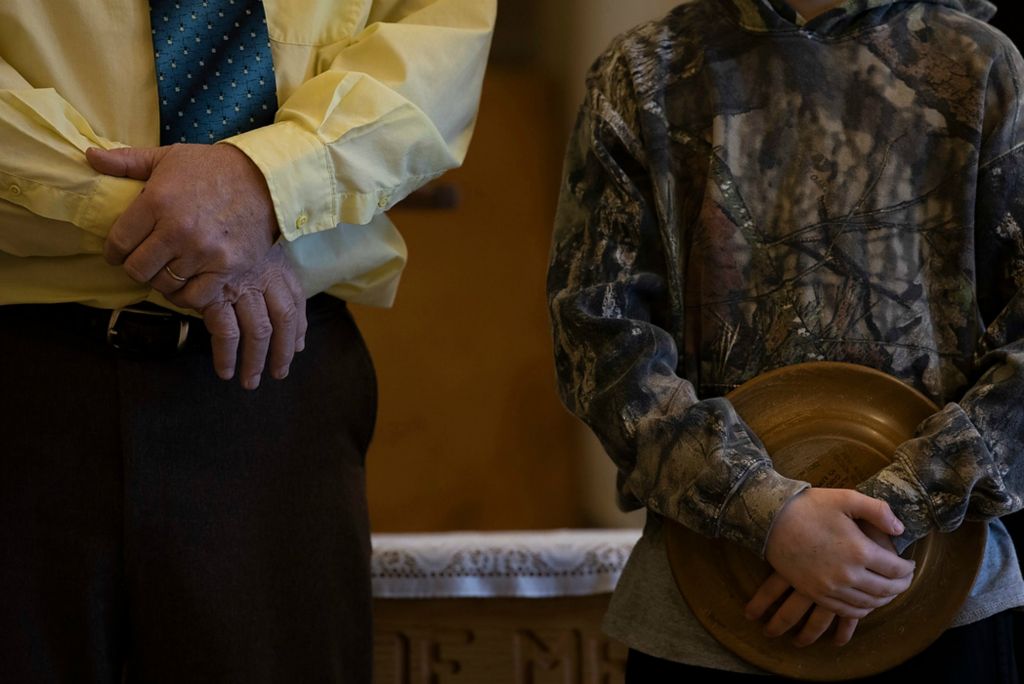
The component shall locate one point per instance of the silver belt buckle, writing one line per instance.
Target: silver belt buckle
(115, 316)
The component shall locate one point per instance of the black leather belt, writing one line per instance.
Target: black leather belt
(147, 330)
(141, 330)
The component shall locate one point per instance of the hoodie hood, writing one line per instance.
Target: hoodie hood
(851, 15)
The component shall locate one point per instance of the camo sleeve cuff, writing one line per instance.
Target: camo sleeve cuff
(749, 513)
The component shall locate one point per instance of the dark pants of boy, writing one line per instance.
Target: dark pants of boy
(979, 652)
(158, 524)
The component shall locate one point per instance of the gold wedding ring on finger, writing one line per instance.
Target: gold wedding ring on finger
(175, 275)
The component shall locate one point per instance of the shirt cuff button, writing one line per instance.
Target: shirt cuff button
(15, 190)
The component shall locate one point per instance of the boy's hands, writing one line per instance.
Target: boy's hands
(817, 546)
(797, 605)
(793, 610)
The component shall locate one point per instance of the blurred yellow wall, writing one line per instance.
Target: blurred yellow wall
(470, 433)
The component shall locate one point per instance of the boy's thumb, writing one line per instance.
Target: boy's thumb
(875, 512)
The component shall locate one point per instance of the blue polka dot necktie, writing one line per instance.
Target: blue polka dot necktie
(215, 75)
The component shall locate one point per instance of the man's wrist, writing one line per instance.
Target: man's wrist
(250, 170)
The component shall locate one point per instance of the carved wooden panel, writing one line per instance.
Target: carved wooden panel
(495, 641)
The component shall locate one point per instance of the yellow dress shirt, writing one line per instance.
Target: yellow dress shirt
(377, 97)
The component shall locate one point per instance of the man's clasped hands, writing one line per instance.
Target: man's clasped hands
(831, 551)
(202, 233)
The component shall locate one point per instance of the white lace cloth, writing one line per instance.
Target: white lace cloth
(537, 564)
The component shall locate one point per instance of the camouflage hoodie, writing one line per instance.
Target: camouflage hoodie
(745, 190)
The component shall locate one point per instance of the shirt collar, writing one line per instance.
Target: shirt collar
(776, 15)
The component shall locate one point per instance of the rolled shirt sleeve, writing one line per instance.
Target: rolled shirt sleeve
(394, 109)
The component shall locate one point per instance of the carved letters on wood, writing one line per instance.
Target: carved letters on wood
(554, 651)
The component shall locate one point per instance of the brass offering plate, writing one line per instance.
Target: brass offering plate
(833, 425)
